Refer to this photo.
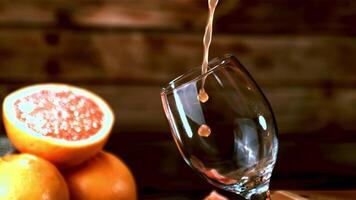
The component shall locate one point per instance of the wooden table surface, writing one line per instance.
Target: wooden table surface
(349, 194)
(314, 195)
(297, 195)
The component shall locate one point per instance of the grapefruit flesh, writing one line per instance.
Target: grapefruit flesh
(62, 114)
(103, 176)
(61, 123)
(25, 176)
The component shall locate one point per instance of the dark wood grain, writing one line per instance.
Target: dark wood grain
(297, 109)
(301, 52)
(156, 58)
(314, 195)
(305, 161)
(255, 16)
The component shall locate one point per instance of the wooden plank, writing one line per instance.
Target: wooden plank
(122, 14)
(26, 12)
(301, 164)
(295, 107)
(297, 110)
(328, 195)
(344, 105)
(157, 58)
(275, 16)
(286, 195)
(276, 195)
(305, 17)
(142, 14)
(299, 195)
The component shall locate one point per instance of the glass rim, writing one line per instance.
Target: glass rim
(216, 62)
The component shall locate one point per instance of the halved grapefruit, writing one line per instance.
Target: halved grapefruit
(25, 176)
(61, 123)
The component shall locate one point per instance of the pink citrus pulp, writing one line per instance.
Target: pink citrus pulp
(62, 123)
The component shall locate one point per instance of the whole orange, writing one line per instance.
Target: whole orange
(103, 176)
(25, 176)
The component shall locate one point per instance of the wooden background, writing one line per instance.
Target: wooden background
(301, 52)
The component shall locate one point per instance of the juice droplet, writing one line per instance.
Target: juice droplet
(204, 130)
(203, 96)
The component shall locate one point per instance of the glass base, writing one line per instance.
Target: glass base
(260, 192)
(262, 196)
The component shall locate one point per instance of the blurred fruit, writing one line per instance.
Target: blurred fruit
(61, 123)
(215, 196)
(25, 176)
(104, 176)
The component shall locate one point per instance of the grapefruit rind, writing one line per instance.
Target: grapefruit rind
(25, 176)
(59, 151)
(104, 176)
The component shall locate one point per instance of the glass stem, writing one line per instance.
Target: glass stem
(262, 196)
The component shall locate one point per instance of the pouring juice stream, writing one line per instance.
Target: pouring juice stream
(204, 130)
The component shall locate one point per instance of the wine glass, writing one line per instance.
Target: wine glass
(231, 139)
